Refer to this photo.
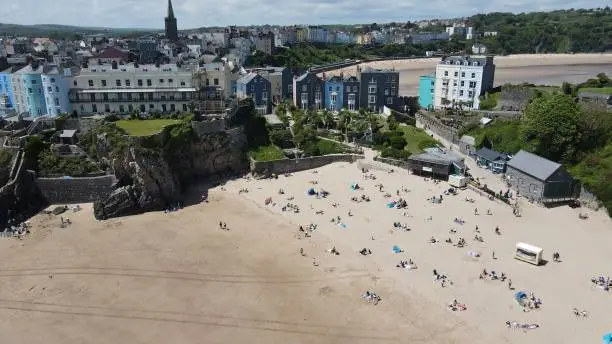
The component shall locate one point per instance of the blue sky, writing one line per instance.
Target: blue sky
(198, 13)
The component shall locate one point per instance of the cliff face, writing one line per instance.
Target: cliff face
(153, 172)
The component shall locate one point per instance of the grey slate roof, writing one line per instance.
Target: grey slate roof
(533, 165)
(470, 140)
(489, 154)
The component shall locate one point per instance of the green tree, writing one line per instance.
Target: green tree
(566, 88)
(551, 127)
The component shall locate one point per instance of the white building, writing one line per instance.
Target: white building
(109, 88)
(217, 74)
(479, 49)
(461, 30)
(463, 79)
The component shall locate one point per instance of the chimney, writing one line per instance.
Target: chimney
(114, 65)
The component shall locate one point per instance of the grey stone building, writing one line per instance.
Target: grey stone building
(351, 93)
(308, 92)
(379, 88)
(541, 180)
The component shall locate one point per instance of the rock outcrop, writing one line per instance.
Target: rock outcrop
(153, 172)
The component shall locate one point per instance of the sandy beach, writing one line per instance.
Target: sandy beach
(541, 69)
(178, 277)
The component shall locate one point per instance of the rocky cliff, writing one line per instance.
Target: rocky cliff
(153, 172)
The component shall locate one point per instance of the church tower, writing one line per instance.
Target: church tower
(170, 20)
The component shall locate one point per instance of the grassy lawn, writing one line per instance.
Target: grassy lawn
(267, 153)
(417, 139)
(330, 147)
(602, 90)
(145, 127)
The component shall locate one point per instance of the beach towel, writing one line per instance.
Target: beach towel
(607, 338)
(390, 205)
(396, 249)
(342, 225)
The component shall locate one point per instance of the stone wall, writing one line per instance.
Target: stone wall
(76, 190)
(429, 123)
(525, 185)
(294, 165)
(398, 163)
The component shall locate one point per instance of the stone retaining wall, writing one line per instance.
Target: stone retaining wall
(394, 162)
(76, 190)
(294, 165)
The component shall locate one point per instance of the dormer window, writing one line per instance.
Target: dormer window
(476, 63)
(457, 63)
(466, 63)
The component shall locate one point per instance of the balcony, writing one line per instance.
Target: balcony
(134, 100)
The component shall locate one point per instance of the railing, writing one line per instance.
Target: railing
(133, 100)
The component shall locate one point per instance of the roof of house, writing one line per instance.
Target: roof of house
(372, 70)
(351, 78)
(113, 53)
(335, 78)
(246, 78)
(533, 165)
(470, 140)
(489, 154)
(67, 133)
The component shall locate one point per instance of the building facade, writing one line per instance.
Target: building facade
(30, 84)
(427, 84)
(264, 42)
(7, 95)
(56, 88)
(379, 88)
(256, 87)
(351, 93)
(308, 92)
(217, 74)
(334, 93)
(463, 79)
(281, 82)
(132, 88)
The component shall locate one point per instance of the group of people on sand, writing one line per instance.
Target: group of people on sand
(406, 264)
(441, 278)
(223, 225)
(14, 228)
(493, 276)
(291, 207)
(604, 283)
(371, 297)
(456, 306)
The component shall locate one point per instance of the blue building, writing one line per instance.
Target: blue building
(31, 83)
(427, 87)
(7, 96)
(351, 93)
(256, 87)
(334, 93)
(55, 89)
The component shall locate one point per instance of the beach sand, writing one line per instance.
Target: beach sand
(540, 69)
(178, 277)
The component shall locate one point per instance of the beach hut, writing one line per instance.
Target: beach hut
(528, 253)
(492, 160)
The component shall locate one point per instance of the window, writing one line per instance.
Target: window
(182, 83)
(149, 82)
(170, 80)
(290, 88)
(456, 73)
(473, 75)
(463, 74)
(390, 101)
(130, 108)
(371, 99)
(52, 80)
(57, 89)
(139, 82)
(121, 108)
(118, 82)
(163, 97)
(94, 108)
(103, 83)
(49, 89)
(472, 84)
(142, 108)
(184, 107)
(184, 95)
(470, 94)
(337, 88)
(92, 97)
(454, 82)
(30, 90)
(141, 96)
(127, 82)
(386, 92)
(150, 96)
(33, 82)
(164, 109)
(330, 88)
(460, 93)
(129, 96)
(172, 96)
(161, 81)
(216, 81)
(105, 96)
(119, 96)
(304, 88)
(172, 107)
(462, 83)
(371, 89)
(445, 73)
(91, 84)
(151, 106)
(333, 98)
(207, 82)
(106, 108)
(75, 83)
(56, 101)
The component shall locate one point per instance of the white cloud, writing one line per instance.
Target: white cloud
(198, 13)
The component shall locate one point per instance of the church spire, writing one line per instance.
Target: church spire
(170, 10)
